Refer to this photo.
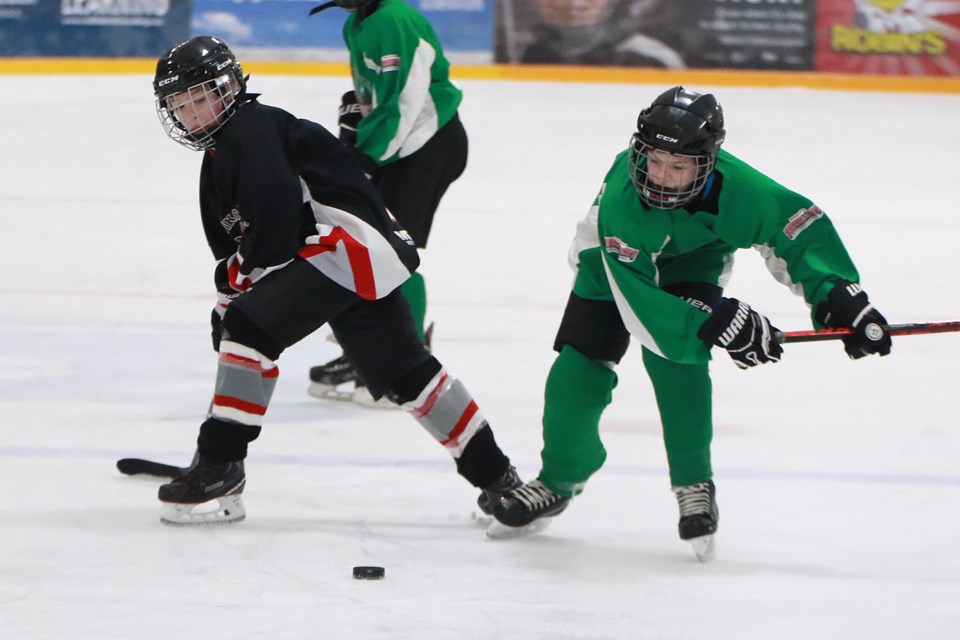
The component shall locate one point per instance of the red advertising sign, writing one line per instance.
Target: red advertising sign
(888, 37)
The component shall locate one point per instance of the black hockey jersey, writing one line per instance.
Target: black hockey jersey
(276, 187)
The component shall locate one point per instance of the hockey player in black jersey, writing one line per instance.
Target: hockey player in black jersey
(302, 239)
(401, 121)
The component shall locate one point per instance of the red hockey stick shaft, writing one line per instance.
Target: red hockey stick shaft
(915, 328)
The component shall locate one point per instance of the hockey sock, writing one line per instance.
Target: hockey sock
(684, 396)
(414, 290)
(245, 382)
(577, 392)
(221, 441)
(447, 411)
(482, 462)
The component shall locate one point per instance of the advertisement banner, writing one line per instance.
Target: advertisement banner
(889, 37)
(726, 34)
(285, 28)
(92, 28)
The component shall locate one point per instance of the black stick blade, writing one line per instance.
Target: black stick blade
(140, 467)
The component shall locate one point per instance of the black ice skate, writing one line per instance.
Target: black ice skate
(325, 378)
(699, 517)
(491, 494)
(526, 510)
(338, 380)
(208, 493)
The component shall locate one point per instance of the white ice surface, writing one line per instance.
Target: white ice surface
(838, 481)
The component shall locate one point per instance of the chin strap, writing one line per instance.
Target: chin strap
(323, 7)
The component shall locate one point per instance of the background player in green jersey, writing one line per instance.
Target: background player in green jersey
(401, 123)
(651, 260)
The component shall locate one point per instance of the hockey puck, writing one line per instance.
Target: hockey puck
(369, 573)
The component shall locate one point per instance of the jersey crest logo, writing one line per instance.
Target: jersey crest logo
(232, 220)
(625, 253)
(799, 221)
(371, 64)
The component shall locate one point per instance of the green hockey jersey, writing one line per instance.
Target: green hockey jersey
(627, 252)
(401, 78)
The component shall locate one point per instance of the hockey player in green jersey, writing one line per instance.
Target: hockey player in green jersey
(651, 260)
(401, 122)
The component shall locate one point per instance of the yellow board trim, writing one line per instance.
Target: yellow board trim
(536, 73)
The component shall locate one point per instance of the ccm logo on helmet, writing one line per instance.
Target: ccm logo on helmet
(660, 136)
(167, 81)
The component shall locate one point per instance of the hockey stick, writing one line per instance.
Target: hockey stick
(911, 329)
(140, 467)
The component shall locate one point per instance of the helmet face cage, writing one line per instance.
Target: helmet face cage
(192, 117)
(659, 196)
(197, 86)
(681, 125)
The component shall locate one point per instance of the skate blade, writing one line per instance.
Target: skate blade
(499, 531)
(329, 392)
(225, 510)
(705, 548)
(359, 396)
(481, 519)
(363, 398)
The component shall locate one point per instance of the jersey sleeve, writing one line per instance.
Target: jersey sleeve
(269, 202)
(795, 237)
(661, 322)
(401, 61)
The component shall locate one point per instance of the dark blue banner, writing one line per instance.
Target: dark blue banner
(92, 28)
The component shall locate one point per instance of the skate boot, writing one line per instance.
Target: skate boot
(525, 510)
(332, 381)
(325, 378)
(699, 517)
(208, 493)
(491, 494)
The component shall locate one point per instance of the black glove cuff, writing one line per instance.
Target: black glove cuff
(221, 277)
(846, 306)
(719, 319)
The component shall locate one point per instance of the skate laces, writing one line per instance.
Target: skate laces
(338, 365)
(535, 495)
(694, 499)
(205, 473)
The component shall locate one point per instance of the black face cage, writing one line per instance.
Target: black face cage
(217, 96)
(658, 196)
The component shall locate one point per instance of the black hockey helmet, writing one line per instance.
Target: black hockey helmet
(681, 123)
(201, 64)
(197, 60)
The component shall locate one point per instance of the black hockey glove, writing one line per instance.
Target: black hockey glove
(847, 305)
(216, 328)
(221, 277)
(746, 335)
(350, 116)
(225, 295)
